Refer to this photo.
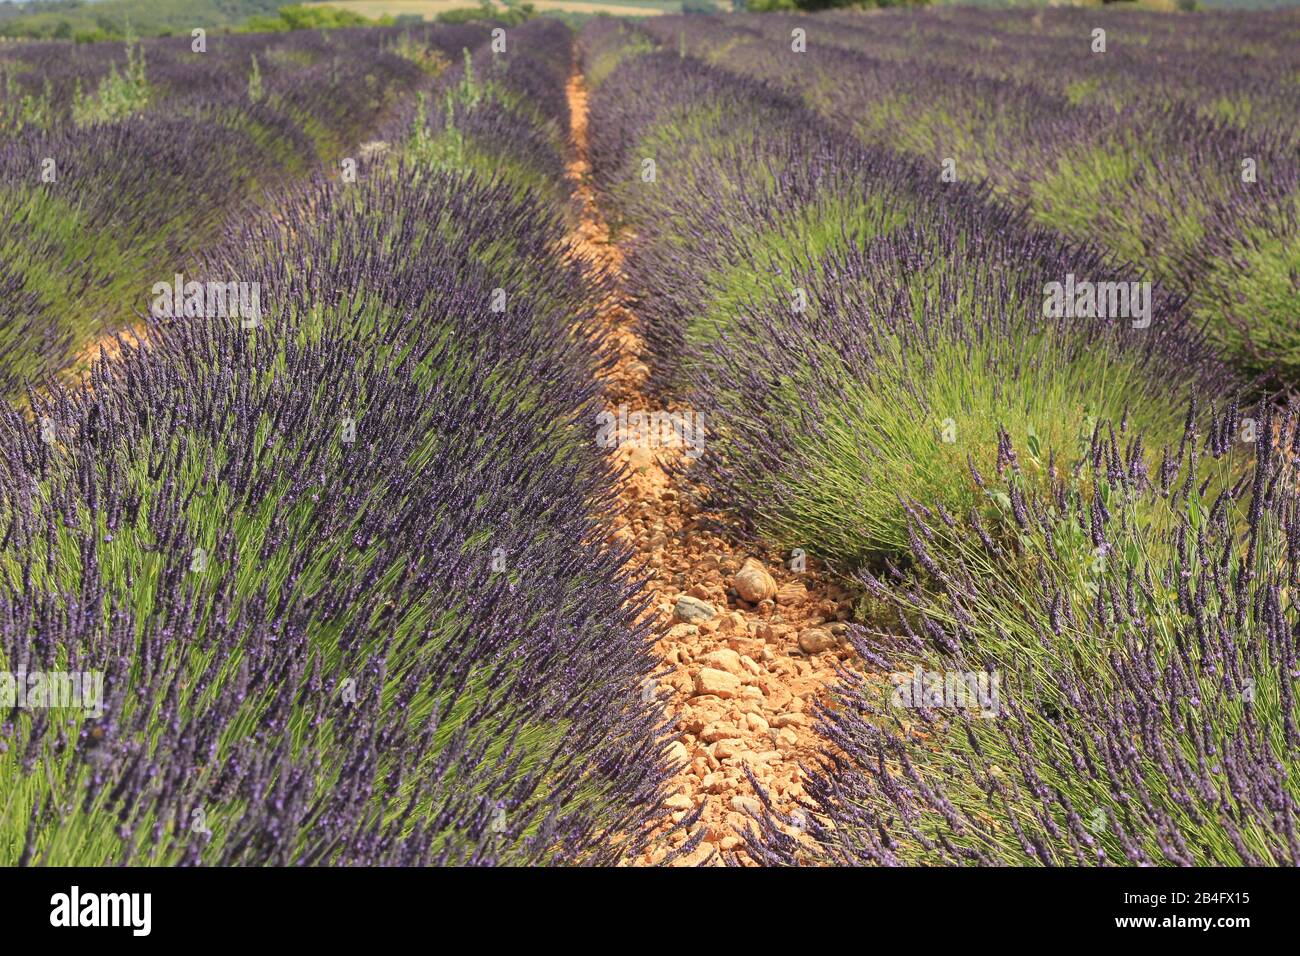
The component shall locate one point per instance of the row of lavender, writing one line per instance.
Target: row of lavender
(340, 571)
(1109, 678)
(1049, 530)
(1169, 141)
(40, 83)
(97, 212)
(1220, 64)
(854, 329)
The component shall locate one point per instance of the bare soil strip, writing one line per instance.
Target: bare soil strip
(743, 674)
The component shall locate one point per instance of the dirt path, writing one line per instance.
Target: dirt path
(743, 673)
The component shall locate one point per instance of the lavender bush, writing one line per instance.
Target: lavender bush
(855, 330)
(96, 214)
(1173, 148)
(1140, 639)
(341, 571)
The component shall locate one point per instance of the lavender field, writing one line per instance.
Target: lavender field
(784, 439)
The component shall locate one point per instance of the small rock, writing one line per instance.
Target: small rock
(778, 697)
(677, 753)
(641, 458)
(739, 822)
(753, 583)
(718, 683)
(815, 640)
(691, 610)
(679, 801)
(789, 720)
(713, 783)
(743, 804)
(792, 594)
(733, 623)
(698, 856)
(724, 660)
(725, 749)
(715, 732)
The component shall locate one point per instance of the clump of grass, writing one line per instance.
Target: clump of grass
(120, 93)
(490, 125)
(424, 55)
(19, 111)
(913, 368)
(255, 91)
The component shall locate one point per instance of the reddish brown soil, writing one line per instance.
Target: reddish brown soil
(757, 714)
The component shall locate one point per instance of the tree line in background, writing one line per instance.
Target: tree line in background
(87, 22)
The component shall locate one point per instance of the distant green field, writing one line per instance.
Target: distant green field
(428, 9)
(1145, 4)
(145, 17)
(79, 19)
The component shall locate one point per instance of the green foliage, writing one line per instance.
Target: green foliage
(90, 22)
(442, 141)
(428, 58)
(18, 111)
(255, 91)
(1247, 295)
(513, 15)
(871, 453)
(770, 6)
(120, 94)
(299, 17)
(435, 150)
(608, 60)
